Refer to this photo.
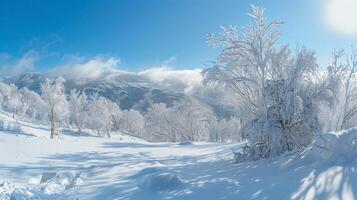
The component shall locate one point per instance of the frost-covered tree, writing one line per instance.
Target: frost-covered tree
(225, 130)
(275, 87)
(95, 116)
(77, 106)
(21, 101)
(186, 121)
(115, 114)
(342, 81)
(5, 92)
(243, 65)
(132, 122)
(32, 104)
(14, 102)
(53, 94)
(101, 114)
(234, 134)
(159, 124)
(10, 97)
(192, 120)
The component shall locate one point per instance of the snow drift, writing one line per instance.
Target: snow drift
(158, 179)
(48, 185)
(5, 190)
(334, 147)
(161, 181)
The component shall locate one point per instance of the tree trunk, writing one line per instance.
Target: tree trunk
(263, 93)
(14, 113)
(78, 127)
(345, 106)
(53, 126)
(108, 133)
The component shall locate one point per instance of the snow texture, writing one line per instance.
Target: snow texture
(126, 168)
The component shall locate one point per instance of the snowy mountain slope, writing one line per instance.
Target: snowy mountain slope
(128, 90)
(87, 167)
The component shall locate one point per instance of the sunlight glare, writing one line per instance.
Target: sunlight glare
(342, 15)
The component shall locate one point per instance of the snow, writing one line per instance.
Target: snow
(121, 167)
(186, 143)
(49, 189)
(160, 181)
(334, 147)
(5, 190)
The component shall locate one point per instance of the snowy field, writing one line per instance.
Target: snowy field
(87, 167)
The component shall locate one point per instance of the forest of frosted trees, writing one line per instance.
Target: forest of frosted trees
(189, 120)
(281, 97)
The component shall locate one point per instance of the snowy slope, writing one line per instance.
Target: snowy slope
(86, 167)
(128, 90)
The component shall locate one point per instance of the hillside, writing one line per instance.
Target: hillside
(128, 90)
(122, 167)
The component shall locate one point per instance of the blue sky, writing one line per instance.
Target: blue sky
(148, 33)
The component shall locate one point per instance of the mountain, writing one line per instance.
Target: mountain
(128, 90)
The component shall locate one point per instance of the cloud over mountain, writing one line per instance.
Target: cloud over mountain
(188, 78)
(12, 67)
(81, 70)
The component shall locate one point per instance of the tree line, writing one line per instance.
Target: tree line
(187, 120)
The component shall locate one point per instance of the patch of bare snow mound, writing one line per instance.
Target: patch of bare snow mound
(335, 147)
(12, 127)
(49, 185)
(158, 179)
(186, 143)
(5, 190)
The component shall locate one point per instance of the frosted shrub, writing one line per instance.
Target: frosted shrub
(14, 127)
(275, 88)
(2, 125)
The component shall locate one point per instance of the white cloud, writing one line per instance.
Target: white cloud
(189, 79)
(82, 70)
(26, 63)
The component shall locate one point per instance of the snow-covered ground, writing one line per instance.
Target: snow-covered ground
(32, 166)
